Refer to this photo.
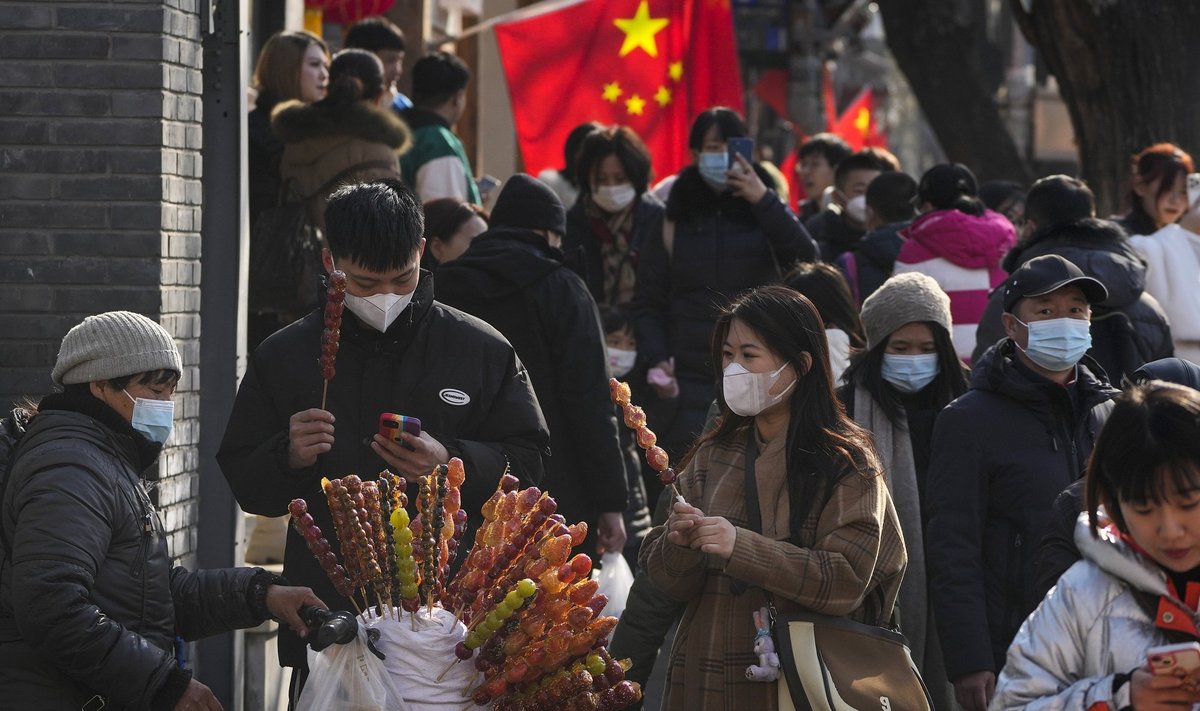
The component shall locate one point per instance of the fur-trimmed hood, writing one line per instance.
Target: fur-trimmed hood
(296, 122)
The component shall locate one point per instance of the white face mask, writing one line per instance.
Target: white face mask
(621, 361)
(614, 198)
(748, 394)
(378, 310)
(856, 209)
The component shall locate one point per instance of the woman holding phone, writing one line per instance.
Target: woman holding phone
(1091, 643)
(785, 506)
(725, 231)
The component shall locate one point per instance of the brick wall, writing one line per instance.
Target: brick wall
(100, 110)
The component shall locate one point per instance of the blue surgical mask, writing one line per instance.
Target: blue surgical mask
(713, 165)
(1058, 344)
(910, 373)
(153, 418)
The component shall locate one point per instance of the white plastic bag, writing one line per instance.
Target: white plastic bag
(615, 579)
(349, 677)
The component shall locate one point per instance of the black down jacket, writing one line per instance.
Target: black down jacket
(1129, 328)
(90, 602)
(1001, 454)
(450, 370)
(722, 246)
(516, 282)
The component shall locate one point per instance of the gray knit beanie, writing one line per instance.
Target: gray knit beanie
(112, 345)
(903, 299)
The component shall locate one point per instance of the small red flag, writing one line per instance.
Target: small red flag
(858, 124)
(652, 65)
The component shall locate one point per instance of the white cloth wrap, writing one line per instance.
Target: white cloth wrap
(416, 658)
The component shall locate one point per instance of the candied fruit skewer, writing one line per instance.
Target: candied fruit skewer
(382, 583)
(635, 419)
(516, 599)
(331, 336)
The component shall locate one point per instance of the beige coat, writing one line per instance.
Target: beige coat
(856, 554)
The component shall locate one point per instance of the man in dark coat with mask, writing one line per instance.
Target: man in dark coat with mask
(1001, 454)
(513, 278)
(401, 352)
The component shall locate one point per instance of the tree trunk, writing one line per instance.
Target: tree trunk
(933, 41)
(1127, 72)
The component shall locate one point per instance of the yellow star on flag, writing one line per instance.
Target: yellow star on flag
(675, 70)
(634, 105)
(640, 30)
(612, 92)
(862, 121)
(662, 96)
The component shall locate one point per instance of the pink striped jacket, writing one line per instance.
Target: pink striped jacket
(962, 252)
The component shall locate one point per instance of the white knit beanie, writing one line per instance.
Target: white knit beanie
(112, 345)
(903, 299)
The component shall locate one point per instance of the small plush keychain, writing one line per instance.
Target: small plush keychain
(767, 668)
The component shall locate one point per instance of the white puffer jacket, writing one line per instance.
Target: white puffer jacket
(1090, 631)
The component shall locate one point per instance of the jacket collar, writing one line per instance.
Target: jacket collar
(418, 117)
(400, 333)
(1120, 557)
(996, 372)
(129, 444)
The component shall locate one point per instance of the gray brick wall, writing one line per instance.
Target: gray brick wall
(100, 196)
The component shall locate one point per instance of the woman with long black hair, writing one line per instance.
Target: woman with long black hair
(825, 538)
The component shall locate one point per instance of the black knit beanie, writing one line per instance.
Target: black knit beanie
(527, 203)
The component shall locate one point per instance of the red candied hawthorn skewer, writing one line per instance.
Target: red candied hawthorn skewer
(332, 335)
(635, 419)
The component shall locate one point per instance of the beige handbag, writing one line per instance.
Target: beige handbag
(836, 664)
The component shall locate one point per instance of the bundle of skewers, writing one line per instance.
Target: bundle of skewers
(534, 629)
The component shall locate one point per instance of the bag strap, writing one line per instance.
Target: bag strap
(753, 512)
(753, 517)
(668, 235)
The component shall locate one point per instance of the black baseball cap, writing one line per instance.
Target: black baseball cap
(1048, 273)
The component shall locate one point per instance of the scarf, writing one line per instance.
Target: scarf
(894, 446)
(612, 231)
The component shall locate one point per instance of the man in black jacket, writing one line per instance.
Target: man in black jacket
(1130, 327)
(513, 278)
(401, 352)
(1001, 454)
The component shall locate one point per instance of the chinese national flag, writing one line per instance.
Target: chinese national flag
(858, 124)
(652, 65)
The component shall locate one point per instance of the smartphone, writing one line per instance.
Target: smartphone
(744, 147)
(486, 184)
(1173, 659)
(391, 425)
(1193, 189)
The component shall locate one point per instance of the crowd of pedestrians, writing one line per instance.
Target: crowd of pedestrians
(917, 402)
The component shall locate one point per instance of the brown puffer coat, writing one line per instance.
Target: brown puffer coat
(328, 146)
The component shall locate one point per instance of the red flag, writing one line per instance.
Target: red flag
(858, 124)
(651, 65)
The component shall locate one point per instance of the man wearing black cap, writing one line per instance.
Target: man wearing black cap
(513, 277)
(1001, 454)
